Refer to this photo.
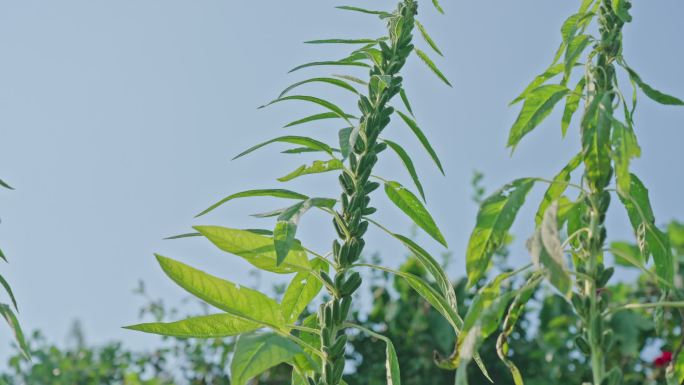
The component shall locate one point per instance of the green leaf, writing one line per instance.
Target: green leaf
(317, 167)
(557, 187)
(316, 117)
(286, 227)
(344, 136)
(299, 140)
(422, 138)
(258, 250)
(547, 252)
(5, 185)
(625, 147)
(336, 82)
(621, 10)
(392, 364)
(351, 79)
(363, 10)
(627, 254)
(426, 59)
(653, 93)
(13, 323)
(408, 163)
(596, 124)
(8, 289)
(2, 256)
(255, 354)
(550, 73)
(572, 104)
(343, 62)
(651, 240)
(276, 193)
(303, 288)
(239, 301)
(411, 206)
(300, 150)
(404, 99)
(494, 219)
(210, 326)
(427, 38)
(435, 3)
(342, 41)
(573, 51)
(538, 105)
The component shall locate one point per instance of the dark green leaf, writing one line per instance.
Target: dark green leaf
(317, 167)
(653, 93)
(571, 104)
(432, 66)
(13, 323)
(362, 10)
(255, 354)
(344, 136)
(8, 289)
(342, 41)
(210, 326)
(315, 117)
(404, 99)
(427, 38)
(5, 185)
(336, 82)
(257, 249)
(422, 138)
(494, 219)
(276, 193)
(538, 105)
(299, 140)
(286, 227)
(411, 206)
(408, 163)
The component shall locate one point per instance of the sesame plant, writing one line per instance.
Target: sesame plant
(6, 310)
(273, 332)
(568, 248)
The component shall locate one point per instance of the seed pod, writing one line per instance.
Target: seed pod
(338, 370)
(605, 276)
(363, 227)
(578, 305)
(370, 187)
(340, 276)
(345, 305)
(352, 283)
(582, 345)
(368, 211)
(337, 348)
(327, 278)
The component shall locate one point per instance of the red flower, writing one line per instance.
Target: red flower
(662, 360)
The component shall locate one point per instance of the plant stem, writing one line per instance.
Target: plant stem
(350, 223)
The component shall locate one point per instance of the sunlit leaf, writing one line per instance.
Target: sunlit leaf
(571, 105)
(625, 147)
(316, 167)
(258, 250)
(303, 288)
(538, 81)
(557, 188)
(494, 219)
(210, 326)
(575, 48)
(411, 206)
(438, 7)
(276, 193)
(422, 138)
(621, 10)
(408, 163)
(255, 354)
(538, 105)
(426, 59)
(239, 301)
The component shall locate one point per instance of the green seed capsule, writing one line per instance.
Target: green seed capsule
(582, 345)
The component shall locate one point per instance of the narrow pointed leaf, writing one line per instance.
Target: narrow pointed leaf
(363, 10)
(574, 50)
(551, 72)
(408, 163)
(317, 167)
(404, 99)
(422, 138)
(317, 117)
(5, 185)
(255, 354)
(342, 41)
(256, 249)
(210, 326)
(345, 145)
(286, 227)
(494, 219)
(427, 38)
(343, 62)
(652, 93)
(538, 105)
(625, 147)
(351, 79)
(438, 7)
(276, 193)
(239, 301)
(13, 323)
(571, 105)
(8, 289)
(557, 188)
(411, 206)
(303, 288)
(311, 99)
(336, 82)
(426, 59)
(299, 140)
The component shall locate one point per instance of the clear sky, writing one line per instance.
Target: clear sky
(118, 120)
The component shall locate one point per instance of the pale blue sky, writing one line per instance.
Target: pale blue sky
(118, 120)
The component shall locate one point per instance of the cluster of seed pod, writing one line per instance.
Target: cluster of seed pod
(356, 185)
